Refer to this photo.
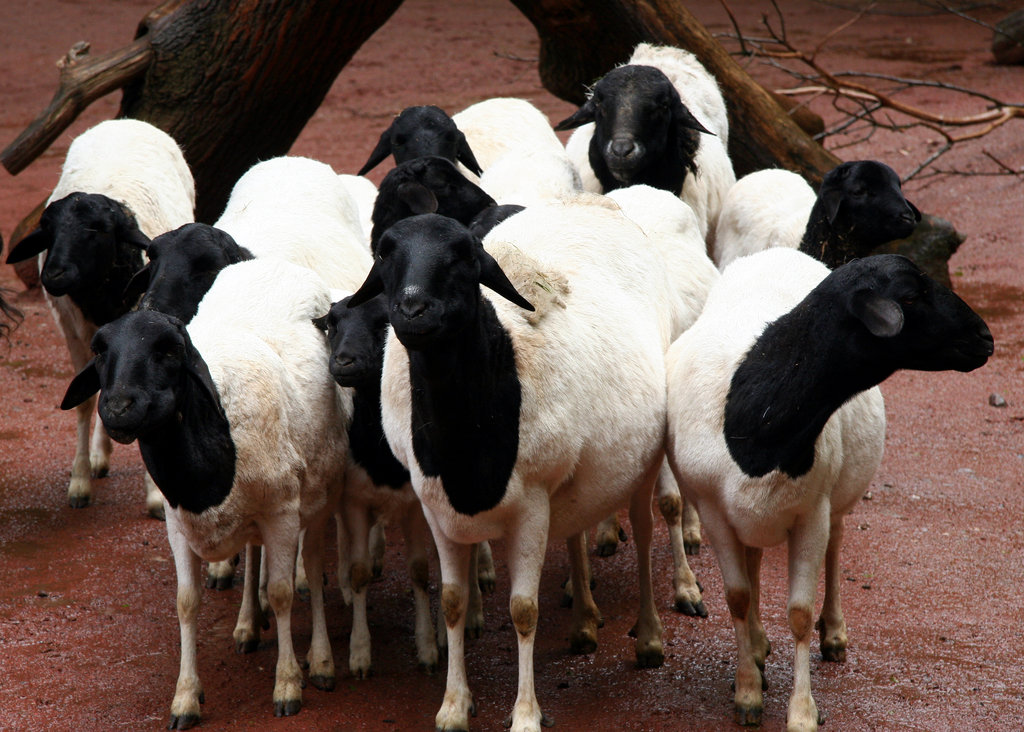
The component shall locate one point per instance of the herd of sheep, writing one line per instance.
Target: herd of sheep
(510, 339)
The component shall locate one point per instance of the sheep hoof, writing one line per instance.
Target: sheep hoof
(323, 682)
(582, 643)
(607, 548)
(287, 708)
(693, 609)
(183, 721)
(249, 645)
(101, 472)
(692, 548)
(653, 656)
(748, 716)
(428, 668)
(78, 501)
(835, 654)
(302, 592)
(156, 512)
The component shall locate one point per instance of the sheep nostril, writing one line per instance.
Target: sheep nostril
(623, 148)
(413, 308)
(118, 406)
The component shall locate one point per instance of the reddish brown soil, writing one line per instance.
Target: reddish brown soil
(934, 560)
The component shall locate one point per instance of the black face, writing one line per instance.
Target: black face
(421, 131)
(356, 337)
(931, 328)
(82, 232)
(431, 278)
(866, 203)
(183, 265)
(426, 185)
(632, 115)
(140, 363)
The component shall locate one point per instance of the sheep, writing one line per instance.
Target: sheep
(428, 184)
(363, 193)
(524, 417)
(245, 433)
(376, 483)
(626, 137)
(859, 207)
(421, 131)
(289, 207)
(671, 224)
(780, 332)
(123, 182)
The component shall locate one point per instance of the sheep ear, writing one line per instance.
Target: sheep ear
(419, 198)
(882, 316)
(199, 372)
(493, 277)
(371, 287)
(379, 153)
(34, 243)
(684, 118)
(321, 322)
(84, 385)
(580, 117)
(133, 235)
(466, 157)
(832, 200)
(137, 285)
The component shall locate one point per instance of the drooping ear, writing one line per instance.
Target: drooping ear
(466, 157)
(493, 277)
(882, 316)
(832, 200)
(379, 153)
(321, 322)
(685, 119)
(84, 385)
(419, 198)
(35, 242)
(137, 285)
(371, 287)
(580, 117)
(132, 234)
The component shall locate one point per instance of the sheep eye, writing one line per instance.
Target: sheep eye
(399, 140)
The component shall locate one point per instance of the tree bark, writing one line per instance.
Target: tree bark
(581, 40)
(234, 82)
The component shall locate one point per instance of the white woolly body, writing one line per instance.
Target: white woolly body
(532, 178)
(364, 194)
(299, 210)
(671, 224)
(501, 125)
(288, 418)
(134, 163)
(590, 366)
(699, 91)
(754, 291)
(766, 208)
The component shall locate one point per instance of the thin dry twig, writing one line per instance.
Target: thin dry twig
(873, 108)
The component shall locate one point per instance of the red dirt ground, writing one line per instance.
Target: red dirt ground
(935, 558)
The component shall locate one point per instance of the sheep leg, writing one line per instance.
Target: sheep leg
(758, 638)
(99, 451)
(475, 608)
(458, 701)
(80, 488)
(485, 568)
(320, 659)
(301, 580)
(526, 544)
(378, 546)
(688, 597)
(691, 529)
(344, 558)
(250, 617)
(357, 526)
(748, 699)
(221, 574)
(417, 535)
(586, 617)
(649, 650)
(282, 544)
(608, 535)
(188, 692)
(807, 546)
(831, 625)
(154, 498)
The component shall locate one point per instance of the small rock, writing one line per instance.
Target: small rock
(43, 593)
(996, 400)
(868, 496)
